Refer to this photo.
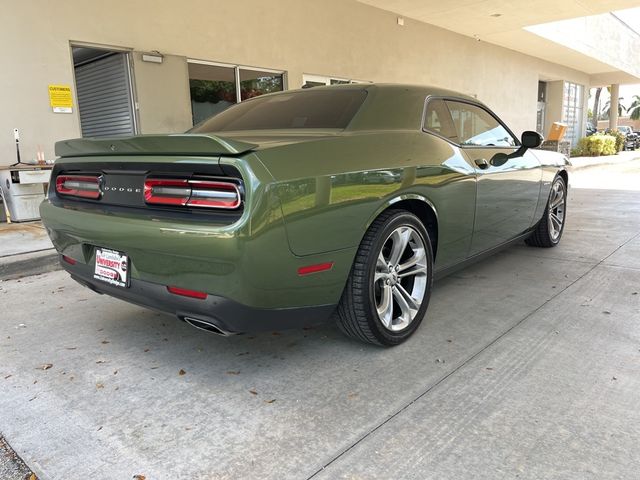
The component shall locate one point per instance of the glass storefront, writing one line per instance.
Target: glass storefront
(215, 87)
(542, 107)
(256, 82)
(320, 80)
(572, 111)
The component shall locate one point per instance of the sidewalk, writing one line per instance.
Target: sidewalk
(25, 249)
(622, 157)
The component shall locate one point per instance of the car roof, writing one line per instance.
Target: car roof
(396, 88)
(387, 106)
(392, 106)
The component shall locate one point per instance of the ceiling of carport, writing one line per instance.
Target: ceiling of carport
(502, 22)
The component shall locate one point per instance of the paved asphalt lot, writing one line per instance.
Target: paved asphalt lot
(527, 366)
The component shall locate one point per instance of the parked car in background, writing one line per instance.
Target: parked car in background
(287, 208)
(590, 129)
(637, 133)
(630, 137)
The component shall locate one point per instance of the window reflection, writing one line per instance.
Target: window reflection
(309, 80)
(475, 126)
(212, 88)
(254, 83)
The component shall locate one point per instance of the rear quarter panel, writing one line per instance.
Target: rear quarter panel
(552, 163)
(333, 188)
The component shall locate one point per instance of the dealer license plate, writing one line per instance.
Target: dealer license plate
(112, 267)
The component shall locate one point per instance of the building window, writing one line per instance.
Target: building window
(542, 107)
(214, 87)
(572, 110)
(254, 83)
(309, 81)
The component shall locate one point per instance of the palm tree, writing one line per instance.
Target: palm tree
(607, 107)
(634, 108)
(596, 107)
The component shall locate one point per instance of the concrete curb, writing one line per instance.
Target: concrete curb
(579, 163)
(12, 467)
(27, 264)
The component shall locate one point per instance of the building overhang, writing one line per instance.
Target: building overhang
(581, 35)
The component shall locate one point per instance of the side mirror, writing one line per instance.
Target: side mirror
(531, 139)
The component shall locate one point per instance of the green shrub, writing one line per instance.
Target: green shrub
(619, 136)
(596, 145)
(610, 146)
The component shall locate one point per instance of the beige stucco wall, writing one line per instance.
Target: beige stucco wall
(334, 37)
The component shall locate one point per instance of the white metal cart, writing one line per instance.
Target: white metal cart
(23, 189)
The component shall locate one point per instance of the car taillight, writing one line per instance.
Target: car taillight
(192, 193)
(166, 192)
(84, 186)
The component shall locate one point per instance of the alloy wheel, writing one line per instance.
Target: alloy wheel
(556, 209)
(400, 279)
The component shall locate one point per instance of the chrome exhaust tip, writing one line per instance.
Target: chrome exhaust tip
(207, 326)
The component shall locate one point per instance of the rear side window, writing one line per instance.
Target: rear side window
(438, 120)
(303, 109)
(477, 127)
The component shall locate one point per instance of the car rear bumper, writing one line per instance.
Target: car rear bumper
(227, 316)
(252, 268)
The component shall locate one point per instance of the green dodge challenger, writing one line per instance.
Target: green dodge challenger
(292, 208)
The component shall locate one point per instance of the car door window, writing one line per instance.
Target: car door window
(475, 126)
(438, 120)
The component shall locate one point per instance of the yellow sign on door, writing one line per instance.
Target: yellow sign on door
(60, 98)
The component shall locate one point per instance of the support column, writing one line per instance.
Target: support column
(613, 106)
(323, 191)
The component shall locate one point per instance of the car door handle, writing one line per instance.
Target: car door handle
(482, 163)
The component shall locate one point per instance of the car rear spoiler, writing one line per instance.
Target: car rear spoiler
(179, 144)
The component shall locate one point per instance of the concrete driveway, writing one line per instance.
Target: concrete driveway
(527, 366)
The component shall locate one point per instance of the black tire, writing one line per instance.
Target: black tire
(357, 311)
(545, 234)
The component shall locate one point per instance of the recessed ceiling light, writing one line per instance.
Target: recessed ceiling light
(496, 15)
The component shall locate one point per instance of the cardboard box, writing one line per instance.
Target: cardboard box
(557, 131)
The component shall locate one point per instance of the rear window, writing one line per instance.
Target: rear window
(302, 109)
